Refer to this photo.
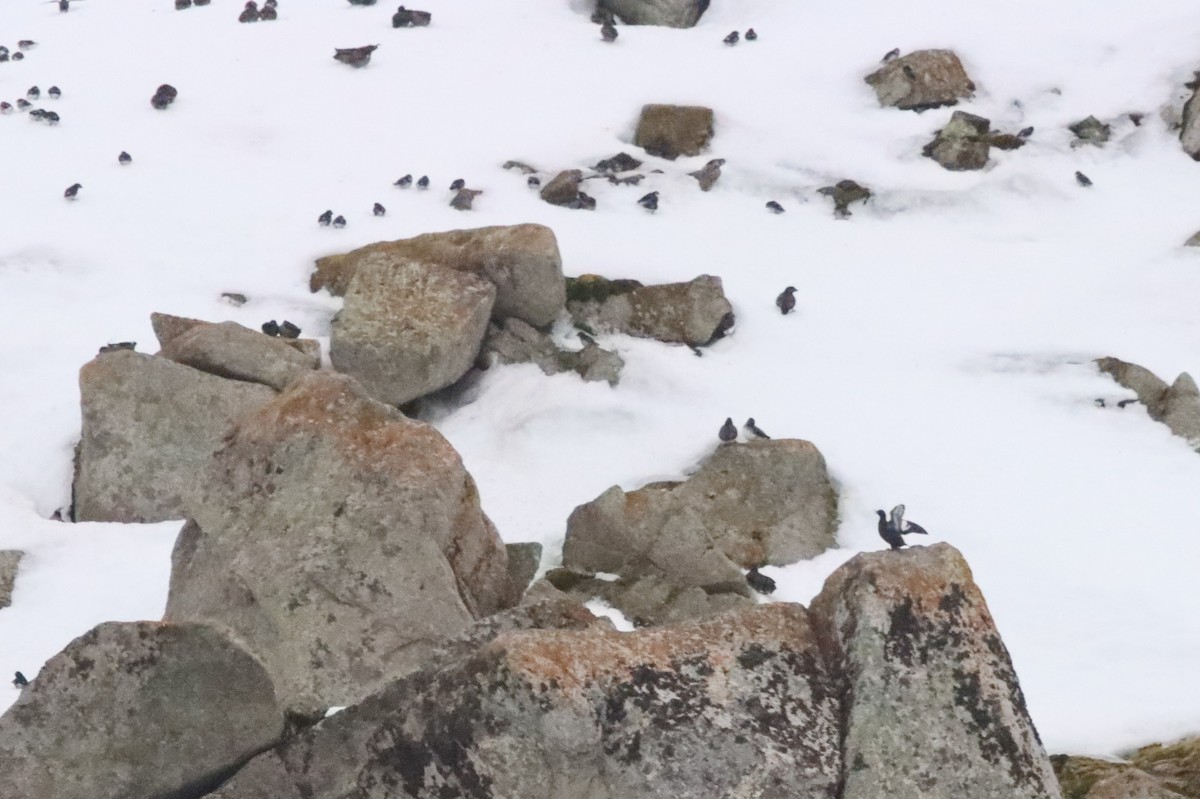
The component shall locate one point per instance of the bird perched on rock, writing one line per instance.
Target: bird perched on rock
(649, 201)
(288, 330)
(339, 221)
(753, 430)
(534, 182)
(891, 55)
(33, 93)
(378, 210)
(423, 183)
(1025, 133)
(19, 681)
(268, 13)
(786, 301)
(1082, 179)
(404, 182)
(760, 582)
(608, 32)
(72, 191)
(894, 529)
(751, 35)
(732, 39)
(464, 198)
(271, 328)
(325, 218)
(774, 207)
(54, 92)
(457, 184)
(709, 174)
(249, 12)
(124, 159)
(728, 431)
(357, 57)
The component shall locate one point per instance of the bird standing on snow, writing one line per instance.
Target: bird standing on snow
(33, 93)
(72, 191)
(339, 221)
(357, 57)
(423, 183)
(19, 681)
(534, 182)
(731, 39)
(649, 201)
(268, 13)
(249, 13)
(786, 302)
(324, 219)
(1082, 179)
(608, 32)
(54, 92)
(728, 432)
(753, 430)
(894, 529)
(64, 5)
(751, 36)
(1025, 133)
(378, 210)
(404, 182)
(760, 582)
(457, 184)
(774, 207)
(124, 159)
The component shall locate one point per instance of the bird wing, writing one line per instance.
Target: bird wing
(911, 528)
(897, 517)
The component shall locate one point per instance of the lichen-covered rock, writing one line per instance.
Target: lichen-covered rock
(229, 350)
(563, 189)
(1090, 131)
(150, 425)
(10, 560)
(921, 80)
(340, 540)
(843, 193)
(521, 260)
(1176, 764)
(933, 709)
(1089, 778)
(137, 710)
(524, 559)
(962, 144)
(167, 328)
(407, 330)
(737, 706)
(695, 313)
(518, 342)
(670, 131)
(670, 13)
(651, 599)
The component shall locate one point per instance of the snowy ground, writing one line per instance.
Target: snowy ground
(939, 356)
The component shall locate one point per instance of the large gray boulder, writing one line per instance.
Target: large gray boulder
(517, 342)
(735, 706)
(168, 327)
(10, 560)
(150, 425)
(138, 710)
(521, 260)
(921, 80)
(409, 329)
(962, 144)
(230, 350)
(670, 13)
(670, 131)
(932, 707)
(340, 540)
(694, 313)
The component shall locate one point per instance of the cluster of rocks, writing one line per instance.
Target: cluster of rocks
(1176, 405)
(1158, 771)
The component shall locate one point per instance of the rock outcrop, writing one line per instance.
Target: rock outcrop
(10, 561)
(1177, 405)
(694, 313)
(843, 193)
(518, 342)
(921, 80)
(1090, 131)
(409, 329)
(932, 708)
(150, 425)
(670, 13)
(339, 540)
(229, 350)
(670, 131)
(522, 261)
(138, 710)
(962, 144)
(167, 328)
(1089, 778)
(1176, 765)
(563, 189)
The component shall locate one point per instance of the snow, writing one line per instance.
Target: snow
(939, 355)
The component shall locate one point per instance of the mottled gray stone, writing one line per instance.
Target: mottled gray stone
(563, 189)
(524, 559)
(670, 13)
(680, 313)
(10, 560)
(167, 328)
(963, 144)
(921, 80)
(517, 342)
(1189, 133)
(229, 350)
(1181, 409)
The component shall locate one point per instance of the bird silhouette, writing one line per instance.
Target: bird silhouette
(728, 432)
(774, 207)
(357, 57)
(649, 201)
(753, 430)
(760, 582)
(72, 191)
(751, 36)
(1082, 179)
(19, 681)
(608, 32)
(786, 301)
(892, 530)
(378, 210)
(731, 39)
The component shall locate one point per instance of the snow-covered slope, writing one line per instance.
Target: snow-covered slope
(939, 356)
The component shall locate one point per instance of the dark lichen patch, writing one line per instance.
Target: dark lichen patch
(996, 741)
(594, 288)
(904, 633)
(754, 656)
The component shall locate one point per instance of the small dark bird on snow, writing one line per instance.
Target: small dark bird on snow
(1125, 402)
(751, 35)
(180, 5)
(124, 159)
(732, 39)
(649, 201)
(18, 56)
(891, 55)
(728, 432)
(325, 218)
(201, 2)
(753, 430)
(268, 13)
(786, 301)
(357, 57)
(378, 210)
(339, 221)
(1099, 402)
(288, 330)
(1082, 179)
(64, 5)
(23, 104)
(534, 182)
(19, 681)
(33, 93)
(774, 207)
(54, 92)
(6, 108)
(164, 95)
(1025, 133)
(608, 32)
(51, 117)
(72, 191)
(37, 114)
(26, 44)
(271, 328)
(760, 582)
(249, 13)
(894, 529)
(404, 182)
(3, 56)
(423, 183)
(458, 184)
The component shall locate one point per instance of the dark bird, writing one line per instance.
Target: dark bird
(728, 432)
(357, 57)
(584, 202)
(180, 5)
(649, 201)
(164, 95)
(18, 56)
(751, 36)
(19, 681)
(404, 182)
(534, 182)
(271, 328)
(423, 183)
(891, 55)
(786, 301)
(37, 114)
(1082, 179)
(72, 191)
(325, 218)
(3, 56)
(1125, 402)
(362, 2)
(1025, 133)
(23, 104)
(268, 13)
(608, 32)
(760, 582)
(51, 118)
(894, 529)
(270, 4)
(378, 210)
(26, 44)
(249, 13)
(753, 430)
(909, 72)
(731, 39)
(64, 5)
(339, 221)
(6, 108)
(410, 18)
(458, 184)
(1099, 402)
(54, 92)
(117, 346)
(463, 200)
(587, 340)
(774, 207)
(33, 93)
(201, 2)
(288, 330)
(124, 159)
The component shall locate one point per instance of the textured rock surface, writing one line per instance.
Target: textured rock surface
(1189, 133)
(680, 313)
(10, 560)
(518, 342)
(843, 193)
(229, 350)
(671, 13)
(1089, 778)
(963, 144)
(340, 540)
(735, 706)
(920, 80)
(523, 562)
(1177, 764)
(1138, 379)
(563, 189)
(521, 260)
(137, 710)
(167, 328)
(1177, 405)
(933, 708)
(652, 599)
(149, 427)
(407, 330)
(670, 131)
(1090, 131)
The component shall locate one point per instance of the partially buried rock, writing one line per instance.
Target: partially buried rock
(564, 188)
(843, 193)
(669, 13)
(167, 328)
(340, 540)
(464, 199)
(694, 313)
(139, 710)
(1090, 131)
(1189, 132)
(921, 80)
(410, 329)
(518, 342)
(229, 350)
(670, 131)
(621, 162)
(10, 559)
(1176, 405)
(962, 144)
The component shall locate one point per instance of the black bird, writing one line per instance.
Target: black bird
(339, 221)
(1082, 179)
(891, 55)
(33, 93)
(731, 39)
(25, 44)
(649, 201)
(894, 529)
(378, 210)
(534, 182)
(608, 32)
(760, 582)
(19, 681)
(1025, 133)
(72, 191)
(774, 207)
(37, 113)
(587, 340)
(753, 430)
(6, 108)
(124, 159)
(728, 432)
(164, 95)
(1099, 402)
(325, 218)
(268, 13)
(271, 328)
(288, 330)
(18, 56)
(54, 92)
(909, 72)
(51, 117)
(249, 13)
(1125, 402)
(423, 183)
(201, 2)
(3, 56)
(404, 182)
(786, 301)
(23, 104)
(180, 5)
(751, 36)
(458, 184)
(64, 5)
(357, 57)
